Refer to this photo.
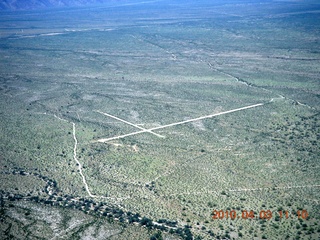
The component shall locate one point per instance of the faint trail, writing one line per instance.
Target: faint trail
(58, 117)
(302, 104)
(255, 86)
(78, 117)
(129, 123)
(194, 193)
(261, 189)
(228, 74)
(179, 123)
(242, 190)
(280, 97)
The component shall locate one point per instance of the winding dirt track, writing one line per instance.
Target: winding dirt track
(79, 164)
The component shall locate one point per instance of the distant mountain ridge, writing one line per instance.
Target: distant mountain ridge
(42, 4)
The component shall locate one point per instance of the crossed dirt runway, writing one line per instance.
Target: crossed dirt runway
(171, 124)
(143, 130)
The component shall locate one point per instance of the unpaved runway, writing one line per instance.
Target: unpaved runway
(179, 123)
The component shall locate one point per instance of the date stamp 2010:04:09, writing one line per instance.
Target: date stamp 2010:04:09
(262, 214)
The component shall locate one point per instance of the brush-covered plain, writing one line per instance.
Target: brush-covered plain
(153, 67)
